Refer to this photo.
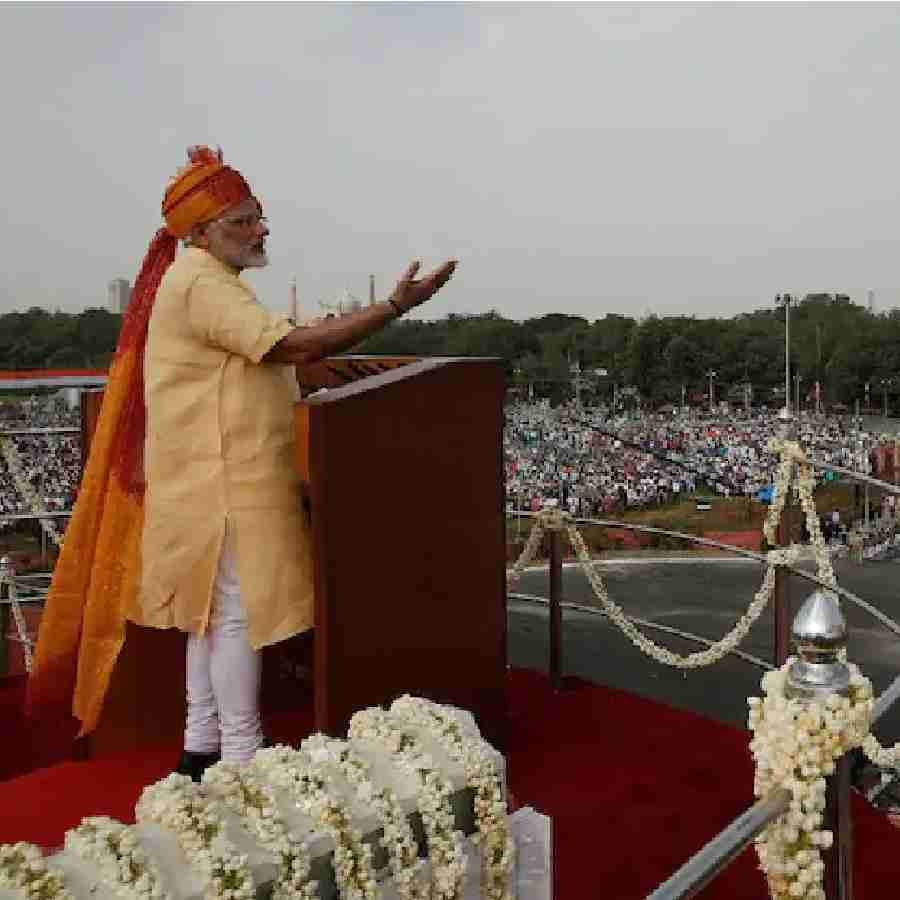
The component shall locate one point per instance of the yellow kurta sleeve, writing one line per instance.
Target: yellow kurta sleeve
(224, 313)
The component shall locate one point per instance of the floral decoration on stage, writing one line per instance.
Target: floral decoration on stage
(194, 817)
(244, 792)
(455, 737)
(122, 862)
(397, 837)
(286, 802)
(311, 787)
(795, 746)
(444, 842)
(24, 871)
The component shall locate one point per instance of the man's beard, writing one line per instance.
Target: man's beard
(256, 259)
(249, 258)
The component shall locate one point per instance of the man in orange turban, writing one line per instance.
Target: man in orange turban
(187, 514)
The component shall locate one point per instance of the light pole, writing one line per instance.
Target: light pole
(683, 392)
(710, 375)
(785, 301)
(885, 384)
(866, 404)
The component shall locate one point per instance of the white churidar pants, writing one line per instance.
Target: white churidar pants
(223, 674)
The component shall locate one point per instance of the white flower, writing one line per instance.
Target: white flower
(24, 872)
(794, 745)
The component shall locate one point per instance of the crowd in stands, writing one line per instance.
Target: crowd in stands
(592, 462)
(51, 463)
(597, 464)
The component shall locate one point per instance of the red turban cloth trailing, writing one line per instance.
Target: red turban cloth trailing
(97, 576)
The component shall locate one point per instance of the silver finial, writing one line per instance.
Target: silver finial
(819, 631)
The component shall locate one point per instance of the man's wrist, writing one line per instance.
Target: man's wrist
(396, 307)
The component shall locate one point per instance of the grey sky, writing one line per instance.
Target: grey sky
(576, 158)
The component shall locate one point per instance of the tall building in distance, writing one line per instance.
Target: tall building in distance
(870, 302)
(295, 309)
(118, 293)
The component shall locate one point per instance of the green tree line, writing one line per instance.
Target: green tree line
(835, 342)
(38, 339)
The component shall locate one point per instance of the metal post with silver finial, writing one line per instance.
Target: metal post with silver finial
(782, 595)
(5, 572)
(820, 633)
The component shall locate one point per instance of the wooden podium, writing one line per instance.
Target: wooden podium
(402, 463)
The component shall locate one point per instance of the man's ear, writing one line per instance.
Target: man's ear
(200, 237)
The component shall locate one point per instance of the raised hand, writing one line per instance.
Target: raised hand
(410, 293)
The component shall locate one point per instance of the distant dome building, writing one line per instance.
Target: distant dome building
(345, 304)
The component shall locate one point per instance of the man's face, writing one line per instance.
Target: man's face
(237, 238)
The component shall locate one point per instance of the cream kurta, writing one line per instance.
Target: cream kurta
(220, 445)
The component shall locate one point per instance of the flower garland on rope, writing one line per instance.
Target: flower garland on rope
(24, 871)
(481, 775)
(123, 864)
(444, 842)
(792, 454)
(185, 809)
(529, 552)
(397, 838)
(14, 464)
(311, 788)
(244, 792)
(706, 657)
(795, 745)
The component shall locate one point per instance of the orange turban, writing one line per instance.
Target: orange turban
(97, 576)
(201, 191)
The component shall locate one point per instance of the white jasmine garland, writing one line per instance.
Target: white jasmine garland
(311, 788)
(397, 834)
(244, 792)
(193, 816)
(24, 872)
(529, 552)
(123, 864)
(791, 454)
(795, 745)
(706, 657)
(885, 757)
(444, 842)
(481, 775)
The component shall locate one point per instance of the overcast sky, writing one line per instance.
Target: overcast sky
(576, 158)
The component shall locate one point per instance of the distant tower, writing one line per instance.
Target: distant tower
(371, 290)
(118, 293)
(294, 310)
(870, 301)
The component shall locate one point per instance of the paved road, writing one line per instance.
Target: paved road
(705, 598)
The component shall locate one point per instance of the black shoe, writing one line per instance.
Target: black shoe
(195, 764)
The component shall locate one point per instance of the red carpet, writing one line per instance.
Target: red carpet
(634, 788)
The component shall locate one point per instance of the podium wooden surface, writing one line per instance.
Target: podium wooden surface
(403, 470)
(406, 495)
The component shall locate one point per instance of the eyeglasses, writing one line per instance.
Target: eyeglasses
(248, 221)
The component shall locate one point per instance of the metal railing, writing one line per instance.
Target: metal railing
(67, 429)
(703, 867)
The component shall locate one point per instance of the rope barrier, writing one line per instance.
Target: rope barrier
(794, 469)
(7, 577)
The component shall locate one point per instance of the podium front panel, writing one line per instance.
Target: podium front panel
(406, 492)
